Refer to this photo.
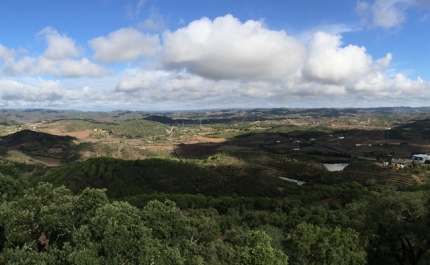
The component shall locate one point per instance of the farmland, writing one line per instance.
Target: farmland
(240, 167)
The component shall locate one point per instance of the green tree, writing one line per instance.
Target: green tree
(396, 226)
(9, 187)
(311, 244)
(51, 226)
(258, 251)
(43, 210)
(116, 235)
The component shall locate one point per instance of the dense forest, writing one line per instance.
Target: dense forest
(47, 216)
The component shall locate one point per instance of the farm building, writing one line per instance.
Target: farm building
(421, 158)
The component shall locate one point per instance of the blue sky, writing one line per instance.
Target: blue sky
(173, 55)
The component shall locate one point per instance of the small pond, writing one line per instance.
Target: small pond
(335, 166)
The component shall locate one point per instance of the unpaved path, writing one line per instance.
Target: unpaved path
(417, 179)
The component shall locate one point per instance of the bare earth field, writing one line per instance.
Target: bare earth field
(80, 135)
(160, 148)
(48, 161)
(210, 140)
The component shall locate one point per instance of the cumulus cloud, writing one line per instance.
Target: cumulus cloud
(330, 63)
(59, 46)
(139, 81)
(77, 93)
(209, 63)
(45, 91)
(225, 48)
(5, 53)
(163, 85)
(172, 88)
(56, 60)
(386, 14)
(125, 44)
(378, 84)
(82, 67)
(64, 68)
(225, 60)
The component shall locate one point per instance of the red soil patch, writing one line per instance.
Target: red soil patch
(48, 161)
(79, 135)
(210, 140)
(159, 148)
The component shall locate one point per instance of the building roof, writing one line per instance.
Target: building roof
(421, 155)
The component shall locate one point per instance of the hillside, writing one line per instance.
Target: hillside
(33, 143)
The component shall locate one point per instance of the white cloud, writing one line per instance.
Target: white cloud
(82, 67)
(386, 14)
(225, 48)
(162, 85)
(401, 86)
(25, 65)
(152, 24)
(330, 63)
(332, 29)
(45, 91)
(229, 62)
(208, 63)
(56, 60)
(77, 93)
(64, 68)
(125, 44)
(5, 53)
(139, 81)
(59, 46)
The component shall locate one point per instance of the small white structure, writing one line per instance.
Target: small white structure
(340, 137)
(420, 158)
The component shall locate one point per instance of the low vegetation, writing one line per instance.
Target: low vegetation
(214, 187)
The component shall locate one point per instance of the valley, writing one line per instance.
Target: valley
(249, 170)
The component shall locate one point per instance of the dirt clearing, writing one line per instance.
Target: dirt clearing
(48, 161)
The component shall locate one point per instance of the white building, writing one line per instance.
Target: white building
(420, 158)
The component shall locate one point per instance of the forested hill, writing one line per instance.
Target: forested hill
(48, 225)
(125, 177)
(29, 137)
(129, 128)
(128, 178)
